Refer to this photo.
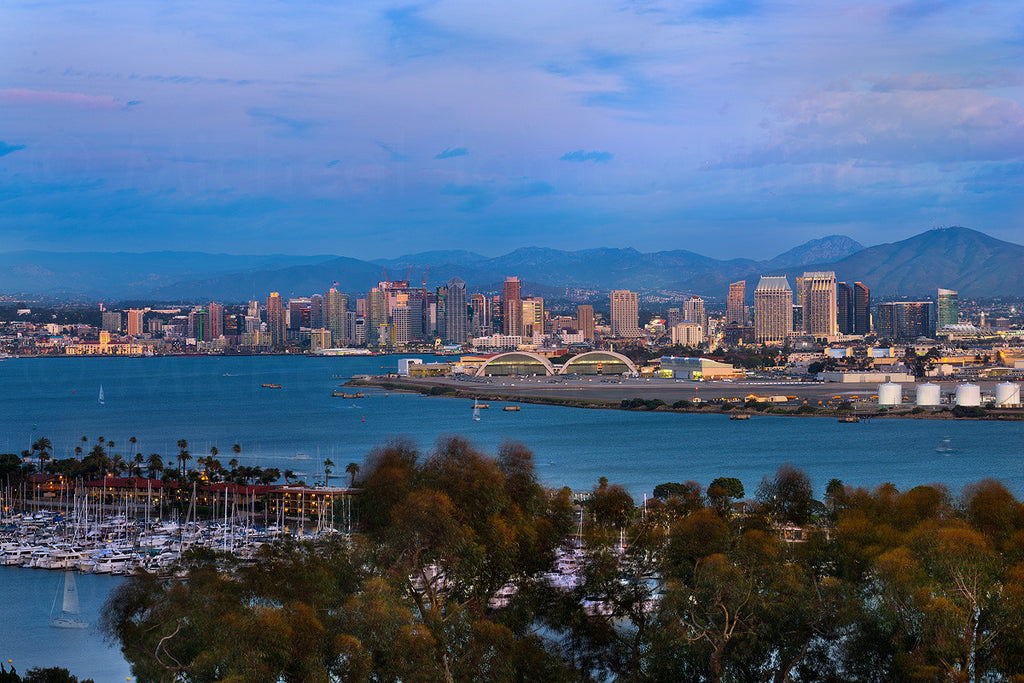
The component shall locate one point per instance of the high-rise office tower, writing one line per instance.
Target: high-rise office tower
(216, 319)
(199, 324)
(906, 320)
(532, 316)
(693, 309)
(316, 311)
(335, 318)
(135, 316)
(625, 314)
(441, 311)
(511, 308)
(844, 308)
(111, 321)
(773, 310)
(275, 320)
(299, 310)
(948, 310)
(376, 311)
(735, 309)
(456, 312)
(585, 321)
(481, 315)
(820, 304)
(861, 308)
(400, 319)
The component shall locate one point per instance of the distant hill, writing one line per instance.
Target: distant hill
(969, 261)
(823, 250)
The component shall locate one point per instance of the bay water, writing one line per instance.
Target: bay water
(220, 401)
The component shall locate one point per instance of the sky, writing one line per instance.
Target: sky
(732, 128)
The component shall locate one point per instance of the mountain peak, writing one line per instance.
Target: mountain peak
(821, 250)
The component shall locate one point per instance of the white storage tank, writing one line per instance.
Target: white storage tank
(1007, 394)
(890, 394)
(928, 394)
(968, 395)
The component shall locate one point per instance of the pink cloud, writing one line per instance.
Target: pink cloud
(77, 100)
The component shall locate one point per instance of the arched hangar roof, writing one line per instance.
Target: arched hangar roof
(516, 363)
(587, 361)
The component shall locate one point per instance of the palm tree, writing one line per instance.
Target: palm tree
(42, 446)
(288, 476)
(183, 456)
(328, 464)
(137, 469)
(155, 465)
(352, 469)
(132, 440)
(117, 464)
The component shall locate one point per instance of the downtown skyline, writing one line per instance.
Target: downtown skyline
(733, 129)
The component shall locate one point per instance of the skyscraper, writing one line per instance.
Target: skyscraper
(820, 304)
(511, 308)
(456, 312)
(275, 320)
(532, 316)
(316, 311)
(948, 308)
(625, 314)
(585, 321)
(693, 310)
(481, 315)
(905, 320)
(216, 319)
(773, 310)
(135, 316)
(844, 308)
(861, 308)
(735, 311)
(335, 318)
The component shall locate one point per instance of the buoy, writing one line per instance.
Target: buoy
(364, 418)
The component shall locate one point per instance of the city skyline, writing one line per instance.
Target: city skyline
(728, 128)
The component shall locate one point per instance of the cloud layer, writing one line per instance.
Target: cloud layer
(728, 127)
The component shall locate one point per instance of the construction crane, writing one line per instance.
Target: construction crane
(425, 278)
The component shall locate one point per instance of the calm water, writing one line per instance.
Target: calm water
(219, 402)
(26, 636)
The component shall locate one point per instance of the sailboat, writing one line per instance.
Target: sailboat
(101, 395)
(476, 410)
(70, 614)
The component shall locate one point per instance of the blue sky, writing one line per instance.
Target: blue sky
(734, 128)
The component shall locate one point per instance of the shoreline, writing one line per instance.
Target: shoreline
(447, 390)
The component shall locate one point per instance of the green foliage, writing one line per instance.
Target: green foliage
(806, 408)
(888, 585)
(969, 411)
(641, 404)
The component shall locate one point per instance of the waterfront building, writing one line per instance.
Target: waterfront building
(456, 312)
(216, 319)
(773, 310)
(135, 318)
(735, 310)
(585, 321)
(275, 320)
(199, 324)
(697, 368)
(512, 310)
(335, 309)
(319, 339)
(819, 302)
(948, 310)
(693, 309)
(625, 314)
(861, 308)
(905, 320)
(845, 308)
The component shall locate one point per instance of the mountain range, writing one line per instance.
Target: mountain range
(958, 258)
